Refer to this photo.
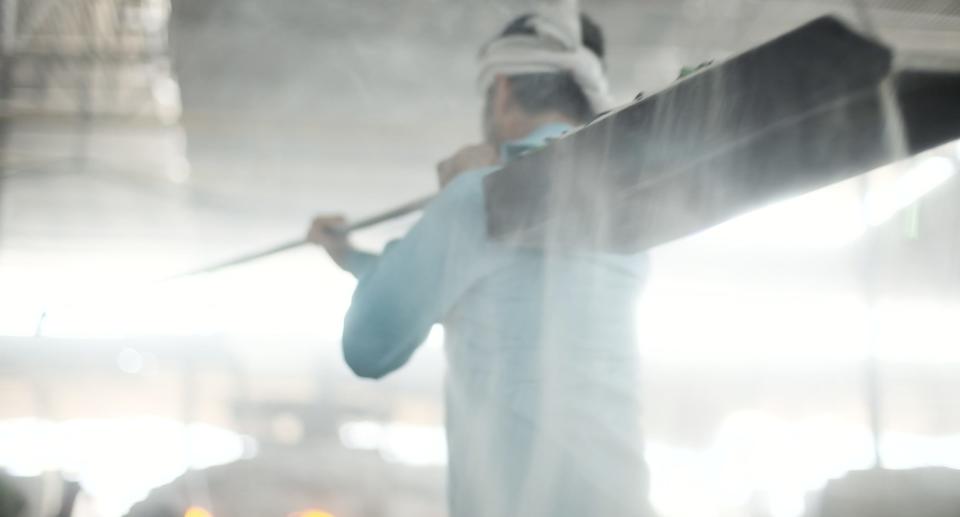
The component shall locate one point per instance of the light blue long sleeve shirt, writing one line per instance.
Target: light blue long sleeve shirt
(541, 390)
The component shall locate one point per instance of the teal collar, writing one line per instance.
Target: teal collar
(538, 138)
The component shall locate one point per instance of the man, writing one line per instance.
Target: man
(541, 394)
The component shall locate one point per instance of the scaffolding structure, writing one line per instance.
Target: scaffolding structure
(77, 62)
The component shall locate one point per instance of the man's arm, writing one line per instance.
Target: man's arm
(418, 279)
(324, 232)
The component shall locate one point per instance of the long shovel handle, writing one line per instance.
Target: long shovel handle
(367, 222)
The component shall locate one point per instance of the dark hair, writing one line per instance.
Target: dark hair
(555, 91)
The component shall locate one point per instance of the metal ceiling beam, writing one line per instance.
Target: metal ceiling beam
(40, 12)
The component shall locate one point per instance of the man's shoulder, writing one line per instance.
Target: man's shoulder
(466, 190)
(471, 179)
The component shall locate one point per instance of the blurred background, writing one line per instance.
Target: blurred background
(785, 352)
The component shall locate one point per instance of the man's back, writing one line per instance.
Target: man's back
(542, 395)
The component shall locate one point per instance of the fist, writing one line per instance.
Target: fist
(466, 159)
(325, 231)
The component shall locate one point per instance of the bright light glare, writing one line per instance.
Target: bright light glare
(295, 297)
(363, 435)
(909, 451)
(434, 338)
(166, 95)
(130, 361)
(834, 216)
(758, 459)
(311, 513)
(914, 331)
(928, 174)
(734, 326)
(117, 461)
(196, 511)
(783, 460)
(414, 445)
(824, 219)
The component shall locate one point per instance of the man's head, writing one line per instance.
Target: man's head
(534, 79)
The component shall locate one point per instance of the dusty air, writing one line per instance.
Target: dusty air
(509, 258)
